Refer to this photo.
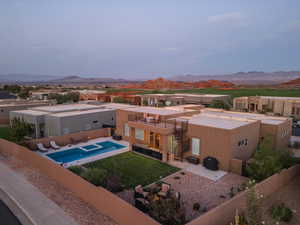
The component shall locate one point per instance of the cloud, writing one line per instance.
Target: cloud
(234, 17)
(171, 49)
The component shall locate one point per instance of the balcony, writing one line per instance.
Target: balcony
(156, 125)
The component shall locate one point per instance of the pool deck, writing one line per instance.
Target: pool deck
(92, 158)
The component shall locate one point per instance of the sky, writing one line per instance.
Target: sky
(145, 39)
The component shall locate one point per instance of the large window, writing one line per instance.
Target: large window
(139, 134)
(195, 146)
(126, 130)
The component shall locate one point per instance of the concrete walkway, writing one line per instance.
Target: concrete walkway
(199, 170)
(26, 198)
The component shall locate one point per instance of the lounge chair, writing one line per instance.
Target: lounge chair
(54, 145)
(41, 147)
(165, 190)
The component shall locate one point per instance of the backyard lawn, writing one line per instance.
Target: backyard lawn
(4, 133)
(134, 169)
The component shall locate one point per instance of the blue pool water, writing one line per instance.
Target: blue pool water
(89, 147)
(73, 154)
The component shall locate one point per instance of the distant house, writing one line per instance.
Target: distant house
(280, 106)
(182, 99)
(8, 105)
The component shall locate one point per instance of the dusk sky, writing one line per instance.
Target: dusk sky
(131, 39)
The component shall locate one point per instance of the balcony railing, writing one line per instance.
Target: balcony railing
(153, 121)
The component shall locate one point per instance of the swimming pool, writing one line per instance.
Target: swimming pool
(78, 153)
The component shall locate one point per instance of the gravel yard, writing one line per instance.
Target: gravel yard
(198, 189)
(83, 213)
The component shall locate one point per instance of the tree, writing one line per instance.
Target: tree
(121, 100)
(64, 98)
(219, 104)
(20, 129)
(12, 88)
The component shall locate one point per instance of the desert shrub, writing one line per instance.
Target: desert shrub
(167, 212)
(95, 176)
(254, 201)
(76, 169)
(113, 183)
(281, 213)
(196, 206)
(19, 129)
(267, 161)
(219, 104)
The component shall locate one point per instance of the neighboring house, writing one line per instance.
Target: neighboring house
(70, 118)
(182, 99)
(120, 97)
(281, 106)
(173, 134)
(8, 105)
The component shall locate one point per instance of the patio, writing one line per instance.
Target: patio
(194, 188)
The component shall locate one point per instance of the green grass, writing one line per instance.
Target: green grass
(234, 93)
(134, 169)
(4, 133)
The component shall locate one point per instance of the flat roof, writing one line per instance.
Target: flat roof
(254, 116)
(154, 110)
(118, 105)
(280, 98)
(21, 104)
(218, 122)
(66, 108)
(201, 95)
(76, 113)
(187, 95)
(31, 112)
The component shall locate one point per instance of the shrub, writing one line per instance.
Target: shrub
(167, 212)
(281, 213)
(113, 183)
(219, 104)
(196, 206)
(76, 169)
(267, 161)
(95, 176)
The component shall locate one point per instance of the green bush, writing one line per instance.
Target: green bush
(76, 169)
(95, 176)
(267, 161)
(281, 213)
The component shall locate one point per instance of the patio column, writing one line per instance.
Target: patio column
(164, 147)
(131, 138)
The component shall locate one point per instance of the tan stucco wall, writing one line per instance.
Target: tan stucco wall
(223, 144)
(104, 201)
(249, 132)
(213, 142)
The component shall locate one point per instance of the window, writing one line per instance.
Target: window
(139, 134)
(243, 142)
(126, 129)
(195, 146)
(95, 121)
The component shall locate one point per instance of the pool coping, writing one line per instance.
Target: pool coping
(92, 158)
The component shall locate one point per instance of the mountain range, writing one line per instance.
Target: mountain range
(250, 78)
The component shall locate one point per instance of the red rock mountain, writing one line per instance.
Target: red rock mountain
(161, 83)
(295, 82)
